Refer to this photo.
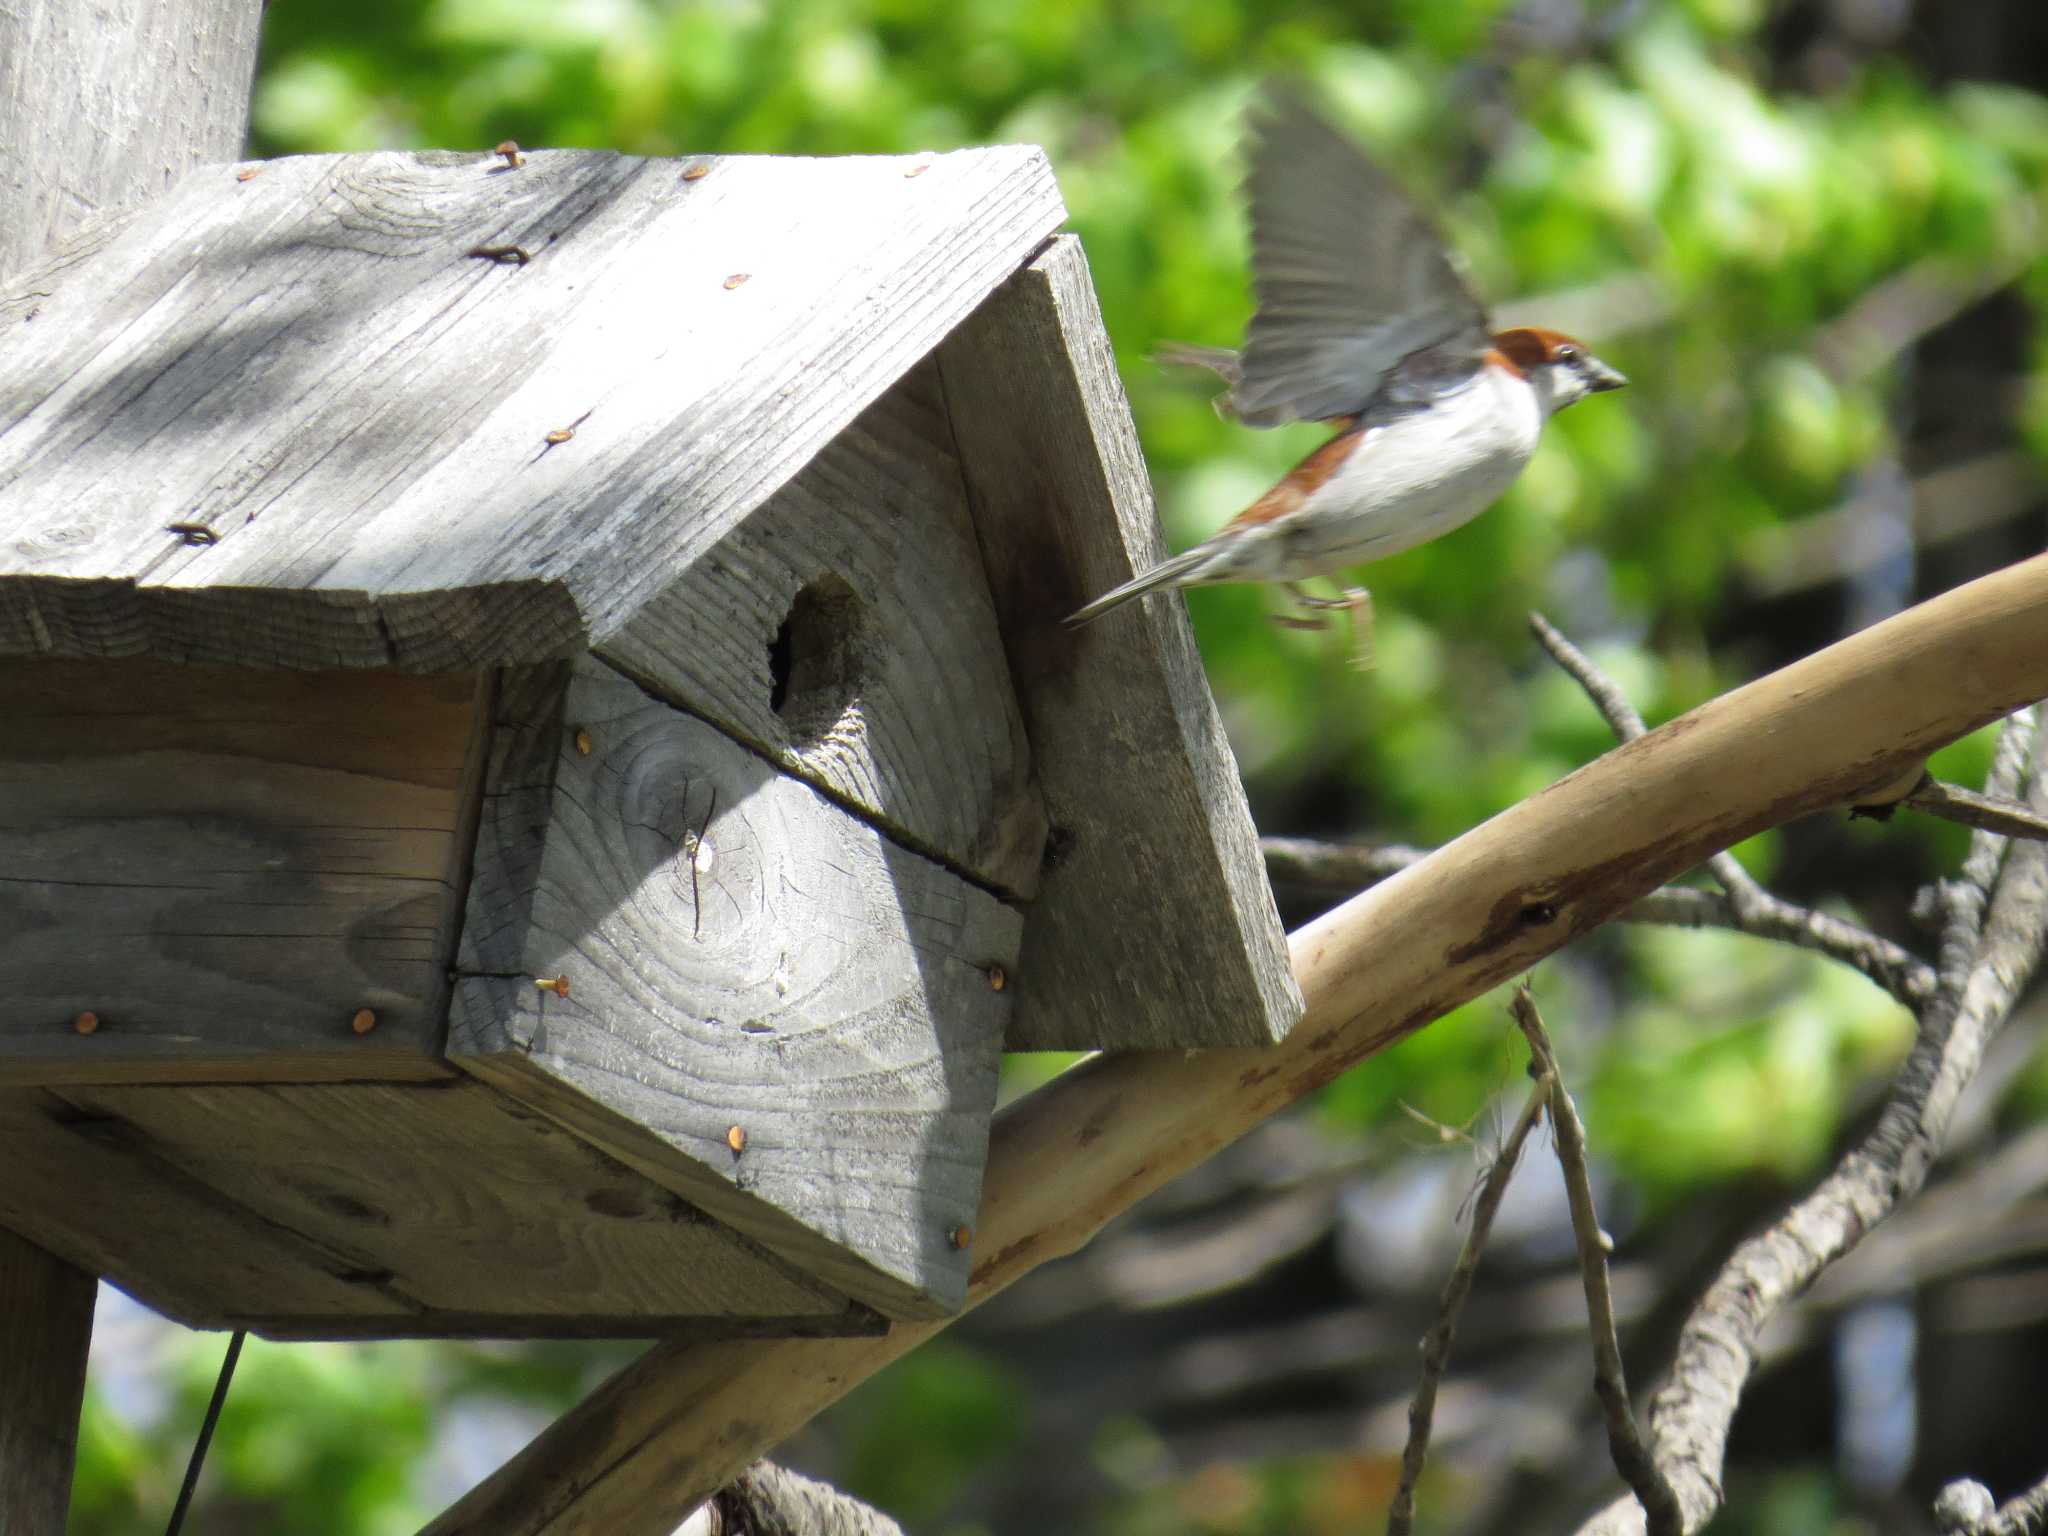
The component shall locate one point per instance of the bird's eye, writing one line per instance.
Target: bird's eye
(1565, 354)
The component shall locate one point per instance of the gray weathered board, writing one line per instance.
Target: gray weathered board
(761, 1002)
(46, 1307)
(223, 866)
(1155, 924)
(377, 1210)
(845, 629)
(315, 366)
(104, 103)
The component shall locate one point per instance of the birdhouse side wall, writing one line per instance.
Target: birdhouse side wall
(223, 872)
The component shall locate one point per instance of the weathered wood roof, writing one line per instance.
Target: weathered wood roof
(300, 420)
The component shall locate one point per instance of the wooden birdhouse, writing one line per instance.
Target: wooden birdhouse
(541, 768)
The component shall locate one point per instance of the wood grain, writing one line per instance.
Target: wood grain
(223, 866)
(460, 1202)
(1154, 925)
(46, 1308)
(85, 1188)
(314, 366)
(665, 1433)
(845, 630)
(104, 103)
(742, 958)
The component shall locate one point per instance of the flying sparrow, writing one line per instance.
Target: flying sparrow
(1363, 323)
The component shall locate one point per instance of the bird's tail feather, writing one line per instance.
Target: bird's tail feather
(1171, 573)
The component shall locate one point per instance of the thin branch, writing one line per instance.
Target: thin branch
(1908, 978)
(1746, 895)
(1989, 813)
(1353, 866)
(1624, 1440)
(1436, 1344)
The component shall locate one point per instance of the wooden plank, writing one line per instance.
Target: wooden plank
(845, 630)
(223, 866)
(479, 1212)
(313, 365)
(88, 1190)
(738, 953)
(46, 1308)
(104, 103)
(1154, 925)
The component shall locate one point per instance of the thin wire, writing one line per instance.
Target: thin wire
(220, 1396)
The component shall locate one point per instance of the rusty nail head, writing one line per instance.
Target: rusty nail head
(697, 170)
(961, 1235)
(249, 173)
(85, 1023)
(998, 978)
(364, 1021)
(737, 278)
(736, 1138)
(583, 742)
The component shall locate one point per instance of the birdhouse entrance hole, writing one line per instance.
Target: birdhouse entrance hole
(814, 661)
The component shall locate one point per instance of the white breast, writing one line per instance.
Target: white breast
(1419, 476)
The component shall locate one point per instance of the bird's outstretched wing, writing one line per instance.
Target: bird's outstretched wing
(1351, 278)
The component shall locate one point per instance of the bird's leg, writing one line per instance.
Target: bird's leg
(1356, 603)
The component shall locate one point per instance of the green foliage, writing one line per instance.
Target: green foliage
(922, 1429)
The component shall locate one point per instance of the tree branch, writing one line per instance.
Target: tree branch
(1436, 1344)
(1983, 972)
(767, 1500)
(1966, 1508)
(1989, 813)
(1624, 1440)
(662, 1435)
(1353, 866)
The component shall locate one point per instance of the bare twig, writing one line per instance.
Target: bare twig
(1900, 972)
(1988, 813)
(1624, 1440)
(1744, 893)
(1436, 1344)
(767, 1500)
(1351, 867)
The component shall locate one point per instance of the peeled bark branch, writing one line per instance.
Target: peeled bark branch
(669, 1430)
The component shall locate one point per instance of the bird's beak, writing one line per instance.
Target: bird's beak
(1600, 377)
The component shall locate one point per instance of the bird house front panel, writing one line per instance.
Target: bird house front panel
(707, 969)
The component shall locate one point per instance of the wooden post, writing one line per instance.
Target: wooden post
(106, 102)
(102, 104)
(45, 1327)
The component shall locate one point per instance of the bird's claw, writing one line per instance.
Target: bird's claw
(1356, 604)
